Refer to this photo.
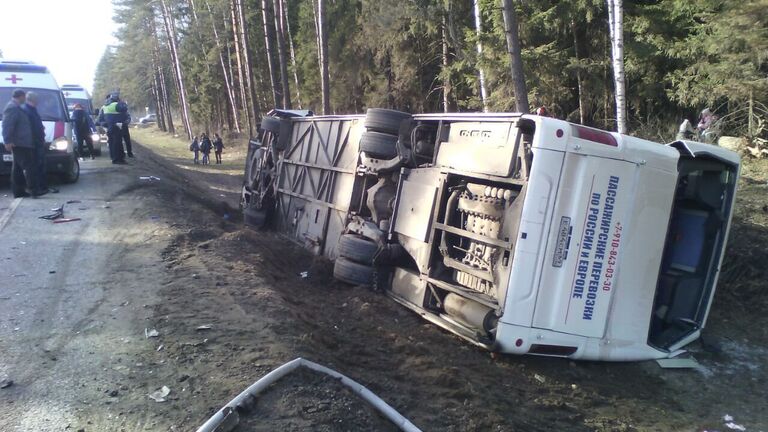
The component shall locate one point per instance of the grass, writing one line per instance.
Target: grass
(176, 149)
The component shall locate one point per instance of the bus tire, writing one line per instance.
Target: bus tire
(352, 273)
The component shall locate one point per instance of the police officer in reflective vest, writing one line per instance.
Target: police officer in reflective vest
(113, 117)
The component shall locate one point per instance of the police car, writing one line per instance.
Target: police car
(76, 94)
(60, 155)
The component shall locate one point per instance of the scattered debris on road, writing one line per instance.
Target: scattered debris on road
(151, 333)
(65, 220)
(56, 213)
(203, 327)
(5, 383)
(195, 344)
(160, 395)
(74, 202)
(149, 178)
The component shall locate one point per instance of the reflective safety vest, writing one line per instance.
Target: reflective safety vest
(110, 108)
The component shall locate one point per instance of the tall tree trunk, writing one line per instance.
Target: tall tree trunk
(156, 93)
(293, 52)
(616, 25)
(227, 83)
(282, 52)
(515, 57)
(156, 74)
(236, 87)
(269, 36)
(239, 55)
(317, 29)
(251, 91)
(606, 90)
(323, 42)
(173, 47)
(579, 77)
(479, 46)
(167, 102)
(446, 64)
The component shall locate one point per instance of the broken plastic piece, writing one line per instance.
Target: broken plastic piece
(203, 327)
(55, 213)
(160, 395)
(151, 333)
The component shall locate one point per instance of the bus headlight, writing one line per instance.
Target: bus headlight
(60, 144)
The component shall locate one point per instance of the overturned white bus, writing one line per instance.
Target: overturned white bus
(522, 234)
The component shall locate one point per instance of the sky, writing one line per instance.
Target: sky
(68, 36)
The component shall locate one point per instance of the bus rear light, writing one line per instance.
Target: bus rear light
(594, 135)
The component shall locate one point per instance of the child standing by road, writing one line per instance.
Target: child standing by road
(218, 147)
(195, 147)
(205, 147)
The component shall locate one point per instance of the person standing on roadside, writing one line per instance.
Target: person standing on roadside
(195, 148)
(38, 138)
(218, 147)
(127, 134)
(205, 147)
(113, 116)
(83, 129)
(17, 138)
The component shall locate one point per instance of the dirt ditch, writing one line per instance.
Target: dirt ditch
(246, 286)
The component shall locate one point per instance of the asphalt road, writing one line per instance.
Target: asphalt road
(74, 299)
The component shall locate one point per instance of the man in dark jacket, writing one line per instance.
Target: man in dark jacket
(83, 129)
(17, 137)
(113, 116)
(38, 137)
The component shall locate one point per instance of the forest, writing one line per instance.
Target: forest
(222, 64)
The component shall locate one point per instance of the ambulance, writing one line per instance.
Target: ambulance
(77, 94)
(522, 234)
(60, 154)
